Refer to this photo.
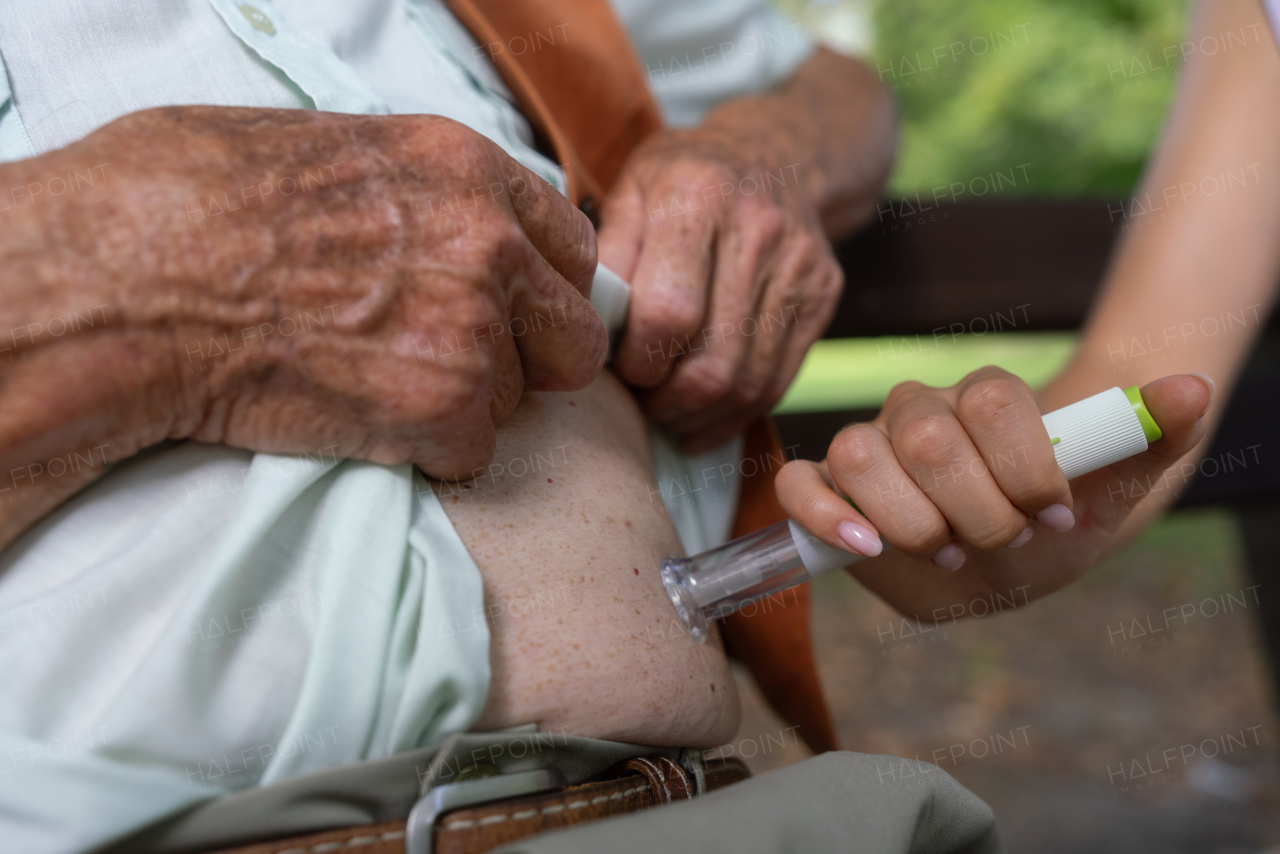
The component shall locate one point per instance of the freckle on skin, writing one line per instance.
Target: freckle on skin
(636, 570)
(548, 480)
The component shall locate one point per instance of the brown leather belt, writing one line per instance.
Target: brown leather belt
(631, 786)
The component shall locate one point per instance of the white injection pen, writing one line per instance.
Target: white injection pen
(1087, 435)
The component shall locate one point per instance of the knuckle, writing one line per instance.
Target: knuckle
(996, 533)
(794, 484)
(807, 251)
(462, 399)
(470, 154)
(902, 392)
(1037, 493)
(705, 172)
(695, 179)
(831, 279)
(989, 400)
(476, 152)
(495, 240)
(706, 383)
(747, 388)
(508, 235)
(767, 222)
(472, 310)
(791, 475)
(986, 372)
(855, 450)
(922, 537)
(667, 312)
(820, 297)
(928, 439)
(451, 395)
(681, 313)
(815, 503)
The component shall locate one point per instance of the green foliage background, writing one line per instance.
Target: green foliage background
(1056, 99)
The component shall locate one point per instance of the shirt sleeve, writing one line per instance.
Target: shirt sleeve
(698, 54)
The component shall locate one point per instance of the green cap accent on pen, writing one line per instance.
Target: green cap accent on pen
(1150, 428)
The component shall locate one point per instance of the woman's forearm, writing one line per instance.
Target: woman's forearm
(1196, 271)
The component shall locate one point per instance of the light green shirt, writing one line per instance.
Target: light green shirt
(204, 618)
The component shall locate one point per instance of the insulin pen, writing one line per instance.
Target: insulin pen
(1087, 435)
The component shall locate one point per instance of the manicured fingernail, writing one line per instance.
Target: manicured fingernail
(1057, 517)
(861, 539)
(950, 557)
(1022, 539)
(1213, 388)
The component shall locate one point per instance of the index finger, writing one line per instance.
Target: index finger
(805, 492)
(561, 340)
(1002, 417)
(668, 302)
(560, 232)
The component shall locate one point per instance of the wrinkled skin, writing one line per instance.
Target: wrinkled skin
(723, 231)
(729, 298)
(386, 287)
(392, 307)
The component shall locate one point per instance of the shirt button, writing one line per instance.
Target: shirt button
(260, 21)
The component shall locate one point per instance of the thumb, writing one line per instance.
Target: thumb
(1179, 405)
(623, 223)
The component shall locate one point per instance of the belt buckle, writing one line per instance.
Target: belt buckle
(420, 831)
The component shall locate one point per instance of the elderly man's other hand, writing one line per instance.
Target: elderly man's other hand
(723, 232)
(380, 287)
(734, 278)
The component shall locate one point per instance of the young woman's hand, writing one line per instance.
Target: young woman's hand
(962, 482)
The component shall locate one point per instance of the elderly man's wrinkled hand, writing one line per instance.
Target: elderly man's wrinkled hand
(733, 278)
(384, 287)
